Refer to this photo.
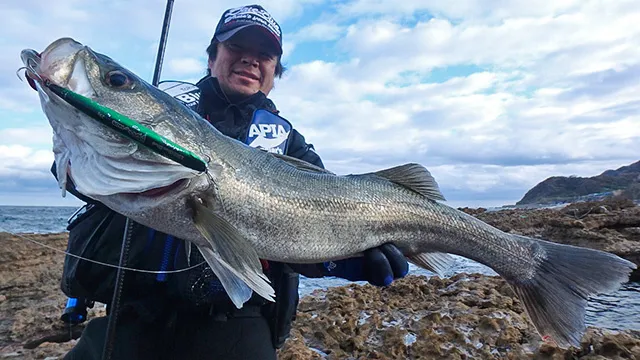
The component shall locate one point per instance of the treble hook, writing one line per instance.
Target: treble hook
(29, 58)
(29, 74)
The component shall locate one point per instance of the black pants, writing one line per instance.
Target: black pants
(187, 336)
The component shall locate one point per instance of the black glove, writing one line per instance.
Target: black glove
(379, 266)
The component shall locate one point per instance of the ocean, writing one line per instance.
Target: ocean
(614, 311)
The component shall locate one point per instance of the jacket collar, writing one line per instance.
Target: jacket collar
(232, 119)
(212, 94)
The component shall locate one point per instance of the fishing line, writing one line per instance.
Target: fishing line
(129, 128)
(103, 263)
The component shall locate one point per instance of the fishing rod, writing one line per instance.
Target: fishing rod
(75, 310)
(163, 43)
(128, 227)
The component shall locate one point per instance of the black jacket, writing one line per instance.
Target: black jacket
(233, 119)
(97, 234)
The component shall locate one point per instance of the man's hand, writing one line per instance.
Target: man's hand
(379, 266)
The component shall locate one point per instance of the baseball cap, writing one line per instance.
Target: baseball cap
(236, 19)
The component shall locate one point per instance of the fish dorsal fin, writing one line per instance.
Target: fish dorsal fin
(414, 177)
(301, 164)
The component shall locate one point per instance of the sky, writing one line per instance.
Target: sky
(492, 97)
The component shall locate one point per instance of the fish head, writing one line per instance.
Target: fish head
(103, 164)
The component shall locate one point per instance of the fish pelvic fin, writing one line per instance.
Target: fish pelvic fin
(435, 262)
(415, 177)
(555, 297)
(231, 257)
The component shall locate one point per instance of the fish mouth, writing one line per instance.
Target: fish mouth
(163, 190)
(60, 63)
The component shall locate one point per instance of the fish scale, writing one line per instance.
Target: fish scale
(251, 205)
(435, 227)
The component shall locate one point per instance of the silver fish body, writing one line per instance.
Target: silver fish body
(251, 204)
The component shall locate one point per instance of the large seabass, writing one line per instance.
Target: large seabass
(251, 204)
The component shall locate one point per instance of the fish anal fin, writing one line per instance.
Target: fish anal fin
(435, 262)
(414, 177)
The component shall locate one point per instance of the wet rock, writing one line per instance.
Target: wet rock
(468, 316)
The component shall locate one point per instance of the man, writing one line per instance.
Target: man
(188, 315)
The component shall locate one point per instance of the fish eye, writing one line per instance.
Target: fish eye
(117, 78)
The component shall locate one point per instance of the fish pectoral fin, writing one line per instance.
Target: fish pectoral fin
(236, 288)
(435, 262)
(301, 164)
(415, 177)
(231, 255)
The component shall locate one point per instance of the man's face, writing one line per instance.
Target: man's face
(245, 64)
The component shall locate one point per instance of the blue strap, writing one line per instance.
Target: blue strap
(166, 256)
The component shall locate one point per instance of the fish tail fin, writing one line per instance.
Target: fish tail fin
(555, 296)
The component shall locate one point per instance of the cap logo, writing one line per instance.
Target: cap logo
(252, 14)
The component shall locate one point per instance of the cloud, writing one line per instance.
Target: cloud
(458, 120)
(466, 10)
(491, 99)
(186, 66)
(28, 189)
(547, 97)
(40, 135)
(19, 160)
(603, 83)
(319, 31)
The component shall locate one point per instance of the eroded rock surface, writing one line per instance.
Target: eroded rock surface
(463, 317)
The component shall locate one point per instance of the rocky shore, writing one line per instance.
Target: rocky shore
(467, 316)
